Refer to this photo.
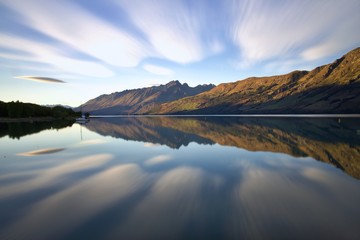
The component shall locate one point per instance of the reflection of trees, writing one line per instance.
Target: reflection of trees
(328, 140)
(20, 129)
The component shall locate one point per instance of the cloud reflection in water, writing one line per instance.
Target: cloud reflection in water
(43, 178)
(42, 151)
(73, 206)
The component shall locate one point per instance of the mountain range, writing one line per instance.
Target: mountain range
(331, 88)
(140, 101)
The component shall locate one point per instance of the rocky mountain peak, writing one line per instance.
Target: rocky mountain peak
(173, 83)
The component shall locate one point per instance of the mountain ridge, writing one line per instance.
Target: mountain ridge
(138, 101)
(331, 88)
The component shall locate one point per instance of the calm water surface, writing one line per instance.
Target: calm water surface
(181, 178)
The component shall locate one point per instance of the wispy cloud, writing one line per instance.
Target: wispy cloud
(50, 54)
(157, 70)
(172, 28)
(217, 47)
(41, 79)
(249, 32)
(71, 24)
(266, 30)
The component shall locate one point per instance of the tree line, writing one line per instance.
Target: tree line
(24, 110)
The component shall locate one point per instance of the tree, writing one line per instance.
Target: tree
(3, 109)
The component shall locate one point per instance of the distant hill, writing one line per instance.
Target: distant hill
(332, 88)
(139, 101)
(56, 105)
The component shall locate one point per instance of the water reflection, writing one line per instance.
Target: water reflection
(20, 129)
(184, 178)
(328, 140)
(43, 178)
(42, 151)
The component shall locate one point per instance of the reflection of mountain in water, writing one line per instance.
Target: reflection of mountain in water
(329, 140)
(144, 129)
(20, 129)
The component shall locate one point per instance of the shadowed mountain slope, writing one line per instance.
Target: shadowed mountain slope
(138, 101)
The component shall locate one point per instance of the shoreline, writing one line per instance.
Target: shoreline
(50, 119)
(236, 115)
(30, 119)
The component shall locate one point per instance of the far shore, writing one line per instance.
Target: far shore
(234, 115)
(49, 119)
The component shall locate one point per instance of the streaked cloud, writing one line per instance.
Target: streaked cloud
(217, 47)
(81, 30)
(164, 37)
(157, 70)
(267, 30)
(46, 53)
(261, 30)
(172, 28)
(41, 79)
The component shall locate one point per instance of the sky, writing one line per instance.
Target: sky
(69, 51)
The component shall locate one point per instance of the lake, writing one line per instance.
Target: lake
(181, 178)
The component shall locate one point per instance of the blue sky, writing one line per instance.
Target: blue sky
(69, 51)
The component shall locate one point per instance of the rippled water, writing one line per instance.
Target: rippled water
(181, 178)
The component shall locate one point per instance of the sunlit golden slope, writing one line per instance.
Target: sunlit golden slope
(332, 88)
